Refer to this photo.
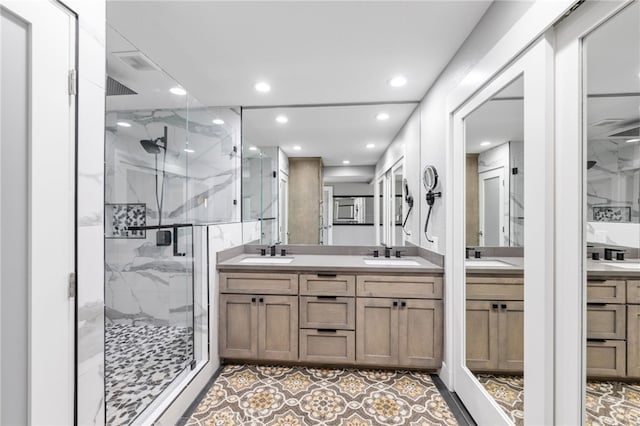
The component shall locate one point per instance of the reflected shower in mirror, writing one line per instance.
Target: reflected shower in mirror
(494, 137)
(314, 175)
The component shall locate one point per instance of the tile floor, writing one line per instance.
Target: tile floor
(608, 403)
(140, 362)
(299, 396)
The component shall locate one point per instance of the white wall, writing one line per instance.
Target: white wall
(423, 137)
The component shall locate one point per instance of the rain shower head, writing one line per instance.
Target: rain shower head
(155, 146)
(151, 146)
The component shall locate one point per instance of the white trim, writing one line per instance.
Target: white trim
(536, 65)
(570, 297)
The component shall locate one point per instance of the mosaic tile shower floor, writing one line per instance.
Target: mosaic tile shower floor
(608, 403)
(140, 362)
(299, 396)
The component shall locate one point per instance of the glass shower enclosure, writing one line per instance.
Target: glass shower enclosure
(171, 168)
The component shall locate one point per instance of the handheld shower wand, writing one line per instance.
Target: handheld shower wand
(430, 181)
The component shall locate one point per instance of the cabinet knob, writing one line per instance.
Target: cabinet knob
(403, 304)
(395, 303)
(494, 306)
(261, 300)
(503, 306)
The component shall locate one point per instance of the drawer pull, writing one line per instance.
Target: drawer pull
(327, 330)
(596, 304)
(323, 275)
(597, 340)
(596, 280)
(327, 297)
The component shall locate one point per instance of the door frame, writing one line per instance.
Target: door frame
(399, 165)
(327, 222)
(283, 214)
(498, 172)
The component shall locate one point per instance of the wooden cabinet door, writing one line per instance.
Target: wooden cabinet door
(482, 335)
(420, 337)
(238, 326)
(511, 336)
(278, 328)
(633, 340)
(376, 331)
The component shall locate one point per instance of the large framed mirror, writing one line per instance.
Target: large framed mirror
(310, 175)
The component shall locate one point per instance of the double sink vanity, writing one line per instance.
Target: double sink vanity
(332, 306)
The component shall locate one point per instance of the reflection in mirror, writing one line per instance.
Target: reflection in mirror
(310, 179)
(612, 212)
(494, 137)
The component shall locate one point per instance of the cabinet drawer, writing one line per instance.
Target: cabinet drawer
(411, 287)
(327, 346)
(258, 283)
(606, 321)
(606, 291)
(327, 285)
(606, 358)
(494, 288)
(327, 312)
(633, 291)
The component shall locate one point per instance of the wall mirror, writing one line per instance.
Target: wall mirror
(494, 138)
(495, 171)
(309, 175)
(611, 169)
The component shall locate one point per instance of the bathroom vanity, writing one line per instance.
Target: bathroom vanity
(332, 310)
(495, 317)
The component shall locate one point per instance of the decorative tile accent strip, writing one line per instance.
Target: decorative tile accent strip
(298, 396)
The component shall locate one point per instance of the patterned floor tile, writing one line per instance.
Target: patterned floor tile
(608, 403)
(298, 396)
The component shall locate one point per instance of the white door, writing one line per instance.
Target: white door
(491, 205)
(535, 68)
(284, 208)
(327, 215)
(37, 212)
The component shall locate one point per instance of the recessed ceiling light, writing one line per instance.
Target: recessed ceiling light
(633, 140)
(297, 148)
(123, 124)
(371, 145)
(382, 116)
(218, 121)
(190, 151)
(346, 162)
(178, 91)
(485, 143)
(282, 119)
(262, 86)
(253, 148)
(398, 81)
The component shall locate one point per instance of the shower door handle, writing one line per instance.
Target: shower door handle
(175, 243)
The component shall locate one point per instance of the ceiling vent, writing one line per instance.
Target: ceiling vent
(115, 88)
(136, 60)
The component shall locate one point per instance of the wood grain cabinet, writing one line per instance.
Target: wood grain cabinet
(494, 335)
(398, 332)
(633, 341)
(259, 326)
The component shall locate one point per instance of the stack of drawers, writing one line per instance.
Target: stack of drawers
(606, 328)
(327, 318)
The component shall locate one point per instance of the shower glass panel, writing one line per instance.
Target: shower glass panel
(260, 193)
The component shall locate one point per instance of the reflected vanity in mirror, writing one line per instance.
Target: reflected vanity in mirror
(314, 175)
(494, 137)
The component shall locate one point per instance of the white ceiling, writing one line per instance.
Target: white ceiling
(310, 52)
(333, 133)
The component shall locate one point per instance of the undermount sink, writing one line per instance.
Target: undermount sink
(623, 265)
(391, 262)
(263, 260)
(486, 264)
